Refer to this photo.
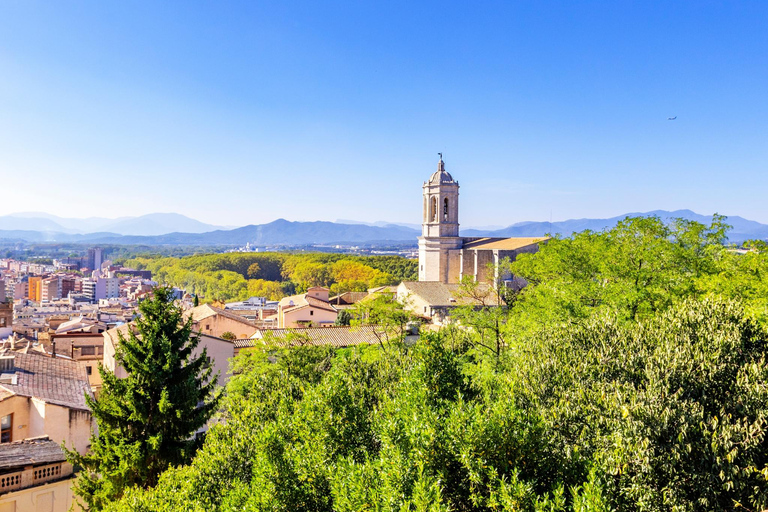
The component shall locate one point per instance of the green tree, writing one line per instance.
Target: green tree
(146, 420)
(253, 271)
(228, 336)
(343, 318)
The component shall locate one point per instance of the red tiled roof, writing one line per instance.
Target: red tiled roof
(51, 379)
(336, 336)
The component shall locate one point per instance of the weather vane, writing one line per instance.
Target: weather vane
(441, 156)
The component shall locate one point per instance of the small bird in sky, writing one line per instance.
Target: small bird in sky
(671, 118)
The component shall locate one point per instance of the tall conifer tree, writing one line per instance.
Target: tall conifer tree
(146, 420)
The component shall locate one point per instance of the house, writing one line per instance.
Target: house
(219, 350)
(34, 475)
(434, 300)
(306, 310)
(335, 336)
(44, 396)
(84, 347)
(347, 299)
(213, 321)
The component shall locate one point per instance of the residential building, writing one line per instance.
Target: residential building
(50, 289)
(34, 476)
(94, 258)
(311, 309)
(87, 348)
(89, 289)
(347, 299)
(35, 288)
(215, 322)
(44, 396)
(434, 300)
(67, 286)
(6, 314)
(21, 289)
(107, 287)
(219, 351)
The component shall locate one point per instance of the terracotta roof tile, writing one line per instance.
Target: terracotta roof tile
(506, 244)
(51, 379)
(337, 336)
(35, 451)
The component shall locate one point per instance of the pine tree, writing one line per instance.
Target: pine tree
(146, 420)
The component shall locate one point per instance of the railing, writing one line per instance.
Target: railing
(10, 482)
(45, 473)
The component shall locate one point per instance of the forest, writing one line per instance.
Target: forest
(238, 276)
(630, 374)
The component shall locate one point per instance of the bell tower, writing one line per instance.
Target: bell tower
(440, 225)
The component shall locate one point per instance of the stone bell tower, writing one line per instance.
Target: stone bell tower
(440, 226)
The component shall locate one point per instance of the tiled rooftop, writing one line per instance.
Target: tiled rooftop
(336, 336)
(436, 293)
(35, 451)
(51, 379)
(505, 244)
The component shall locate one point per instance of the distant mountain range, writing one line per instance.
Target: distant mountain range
(175, 229)
(743, 229)
(147, 225)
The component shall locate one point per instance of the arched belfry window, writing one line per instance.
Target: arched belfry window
(433, 210)
(445, 209)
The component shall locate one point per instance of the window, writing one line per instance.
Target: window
(433, 210)
(311, 313)
(88, 370)
(6, 426)
(445, 209)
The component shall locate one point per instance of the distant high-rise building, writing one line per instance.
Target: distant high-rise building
(95, 258)
(67, 286)
(35, 288)
(51, 288)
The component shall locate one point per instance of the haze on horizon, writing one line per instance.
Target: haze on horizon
(238, 114)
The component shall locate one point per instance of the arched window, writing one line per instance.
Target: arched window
(445, 209)
(433, 212)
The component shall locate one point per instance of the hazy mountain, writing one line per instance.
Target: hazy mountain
(380, 223)
(151, 224)
(11, 223)
(158, 224)
(283, 232)
(69, 224)
(743, 229)
(279, 232)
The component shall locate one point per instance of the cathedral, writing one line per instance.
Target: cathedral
(446, 257)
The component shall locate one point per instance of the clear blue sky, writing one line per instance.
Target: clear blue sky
(243, 112)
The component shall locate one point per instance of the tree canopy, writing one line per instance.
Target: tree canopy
(146, 420)
(238, 276)
(628, 375)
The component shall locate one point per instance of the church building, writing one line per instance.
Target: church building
(446, 257)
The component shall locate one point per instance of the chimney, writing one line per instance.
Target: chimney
(53, 348)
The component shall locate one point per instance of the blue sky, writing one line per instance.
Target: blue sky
(244, 112)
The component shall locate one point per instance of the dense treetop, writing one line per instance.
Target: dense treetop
(629, 375)
(237, 276)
